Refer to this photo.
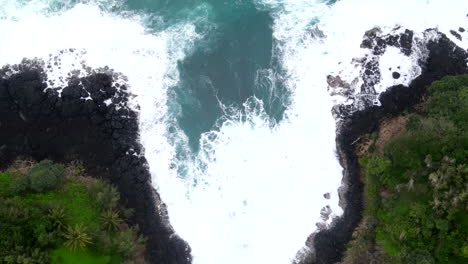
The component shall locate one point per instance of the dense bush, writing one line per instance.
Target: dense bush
(129, 243)
(79, 223)
(417, 187)
(19, 183)
(46, 175)
(23, 232)
(105, 195)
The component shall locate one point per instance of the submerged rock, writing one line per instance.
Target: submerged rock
(396, 75)
(376, 42)
(455, 34)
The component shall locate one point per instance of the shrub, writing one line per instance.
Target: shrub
(75, 169)
(449, 99)
(46, 176)
(448, 183)
(105, 195)
(26, 256)
(127, 213)
(418, 256)
(128, 243)
(5, 181)
(19, 184)
(378, 167)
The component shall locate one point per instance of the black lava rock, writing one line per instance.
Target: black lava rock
(376, 42)
(37, 123)
(445, 58)
(458, 36)
(396, 75)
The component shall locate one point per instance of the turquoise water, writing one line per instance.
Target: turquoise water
(232, 61)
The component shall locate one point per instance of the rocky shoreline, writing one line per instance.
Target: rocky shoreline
(444, 58)
(88, 120)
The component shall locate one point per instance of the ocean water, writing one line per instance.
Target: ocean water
(235, 117)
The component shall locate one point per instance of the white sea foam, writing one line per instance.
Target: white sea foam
(315, 40)
(99, 39)
(254, 192)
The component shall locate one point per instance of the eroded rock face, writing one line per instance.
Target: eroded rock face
(87, 120)
(443, 58)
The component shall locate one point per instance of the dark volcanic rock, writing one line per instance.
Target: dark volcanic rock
(40, 124)
(445, 58)
(460, 29)
(458, 36)
(377, 43)
(396, 75)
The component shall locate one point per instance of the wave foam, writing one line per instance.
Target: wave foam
(255, 191)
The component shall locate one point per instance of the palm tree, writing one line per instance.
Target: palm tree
(110, 220)
(58, 217)
(77, 238)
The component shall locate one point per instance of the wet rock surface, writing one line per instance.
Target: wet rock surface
(361, 92)
(101, 131)
(455, 34)
(374, 40)
(444, 58)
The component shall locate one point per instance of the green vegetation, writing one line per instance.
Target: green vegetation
(52, 214)
(46, 176)
(416, 188)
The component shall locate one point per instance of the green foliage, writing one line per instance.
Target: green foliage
(46, 176)
(58, 217)
(418, 256)
(65, 256)
(105, 196)
(378, 167)
(23, 233)
(74, 198)
(5, 181)
(449, 99)
(37, 220)
(448, 183)
(110, 220)
(19, 183)
(22, 255)
(407, 152)
(417, 188)
(128, 243)
(77, 237)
